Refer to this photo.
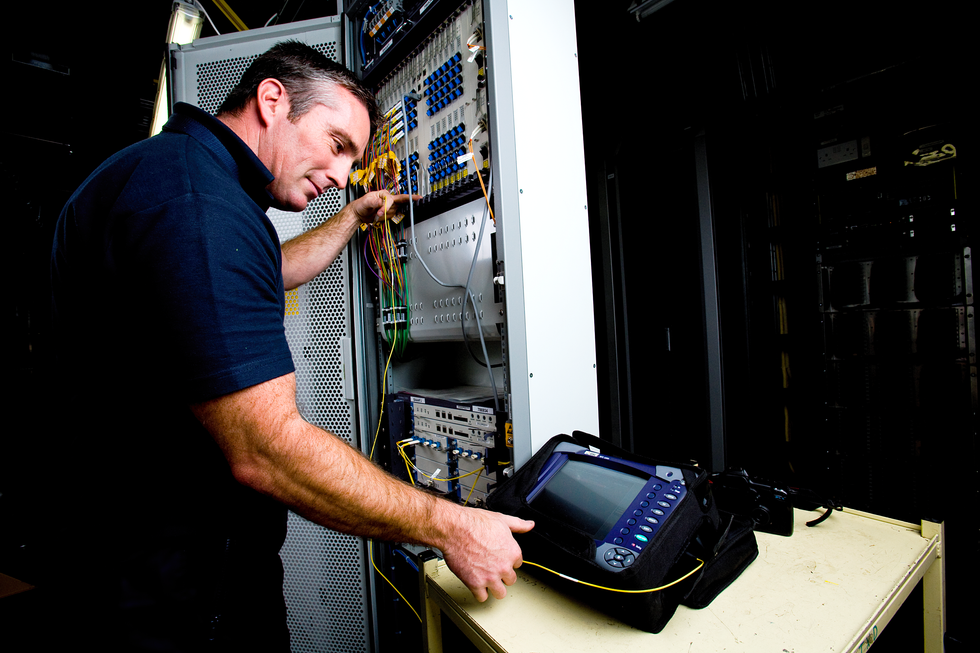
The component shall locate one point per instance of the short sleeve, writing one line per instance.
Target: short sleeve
(208, 275)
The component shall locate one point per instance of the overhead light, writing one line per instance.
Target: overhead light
(185, 26)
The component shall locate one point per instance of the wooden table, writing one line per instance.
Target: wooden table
(833, 587)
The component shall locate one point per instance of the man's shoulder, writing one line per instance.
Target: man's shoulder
(156, 170)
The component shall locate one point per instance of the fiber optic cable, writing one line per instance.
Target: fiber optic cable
(473, 487)
(612, 589)
(384, 381)
(371, 557)
(371, 457)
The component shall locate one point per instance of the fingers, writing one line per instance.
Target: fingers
(497, 590)
(518, 525)
(381, 203)
(484, 554)
(479, 593)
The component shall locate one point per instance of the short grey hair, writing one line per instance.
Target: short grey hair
(309, 77)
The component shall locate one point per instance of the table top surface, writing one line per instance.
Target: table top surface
(814, 591)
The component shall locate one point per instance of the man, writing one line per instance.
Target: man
(168, 285)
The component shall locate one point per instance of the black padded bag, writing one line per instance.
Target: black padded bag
(694, 530)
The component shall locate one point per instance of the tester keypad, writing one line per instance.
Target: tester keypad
(640, 524)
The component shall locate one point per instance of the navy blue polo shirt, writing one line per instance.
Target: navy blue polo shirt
(167, 290)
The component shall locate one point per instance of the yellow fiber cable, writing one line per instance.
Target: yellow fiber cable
(408, 463)
(473, 487)
(371, 557)
(479, 176)
(384, 377)
(612, 589)
(400, 449)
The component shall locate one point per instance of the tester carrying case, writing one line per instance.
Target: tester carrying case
(694, 530)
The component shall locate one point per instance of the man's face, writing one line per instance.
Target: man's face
(317, 151)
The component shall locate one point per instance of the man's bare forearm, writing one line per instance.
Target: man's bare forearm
(310, 470)
(270, 448)
(312, 252)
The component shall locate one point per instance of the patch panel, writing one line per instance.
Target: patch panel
(413, 160)
(450, 87)
(447, 158)
(444, 86)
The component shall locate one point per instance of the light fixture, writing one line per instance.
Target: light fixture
(185, 26)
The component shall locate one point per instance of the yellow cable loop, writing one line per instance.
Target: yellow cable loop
(612, 589)
(371, 557)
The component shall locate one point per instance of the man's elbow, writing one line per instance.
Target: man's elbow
(253, 472)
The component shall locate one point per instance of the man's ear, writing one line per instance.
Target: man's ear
(272, 100)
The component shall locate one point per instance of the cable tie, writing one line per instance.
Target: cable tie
(463, 159)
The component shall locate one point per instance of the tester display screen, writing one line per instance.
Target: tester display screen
(589, 497)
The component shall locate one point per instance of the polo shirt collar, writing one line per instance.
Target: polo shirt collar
(227, 146)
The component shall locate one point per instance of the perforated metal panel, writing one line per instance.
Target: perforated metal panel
(325, 584)
(325, 572)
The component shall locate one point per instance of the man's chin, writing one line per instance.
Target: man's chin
(291, 206)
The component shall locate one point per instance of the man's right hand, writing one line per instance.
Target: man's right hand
(482, 551)
(380, 204)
